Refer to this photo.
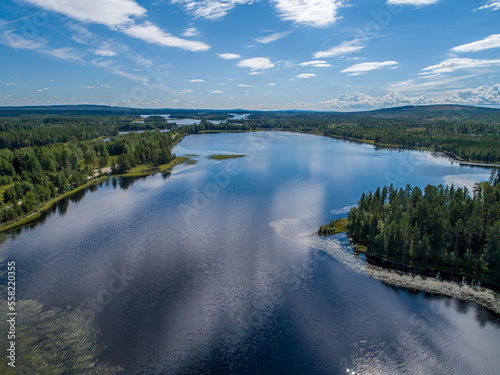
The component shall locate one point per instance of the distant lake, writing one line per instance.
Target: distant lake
(225, 279)
(190, 121)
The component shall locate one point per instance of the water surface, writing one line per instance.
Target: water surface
(216, 281)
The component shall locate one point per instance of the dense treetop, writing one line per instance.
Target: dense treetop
(443, 228)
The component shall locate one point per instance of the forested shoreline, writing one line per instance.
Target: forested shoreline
(31, 177)
(440, 228)
(464, 141)
(44, 155)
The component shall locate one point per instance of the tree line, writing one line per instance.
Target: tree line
(31, 176)
(470, 134)
(470, 140)
(43, 156)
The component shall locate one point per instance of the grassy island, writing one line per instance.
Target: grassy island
(224, 157)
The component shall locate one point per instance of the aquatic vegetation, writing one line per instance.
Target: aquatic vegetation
(223, 156)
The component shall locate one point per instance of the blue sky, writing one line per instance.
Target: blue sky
(265, 55)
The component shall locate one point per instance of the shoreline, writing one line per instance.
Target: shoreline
(48, 205)
(336, 247)
(435, 281)
(441, 274)
(479, 295)
(447, 154)
(165, 168)
(482, 296)
(452, 157)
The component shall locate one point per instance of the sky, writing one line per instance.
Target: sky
(322, 55)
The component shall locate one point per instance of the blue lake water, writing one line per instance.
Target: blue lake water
(217, 282)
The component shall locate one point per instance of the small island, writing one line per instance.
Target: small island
(224, 156)
(441, 229)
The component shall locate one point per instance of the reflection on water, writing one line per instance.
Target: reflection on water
(235, 288)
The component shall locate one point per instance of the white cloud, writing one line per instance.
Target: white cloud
(412, 2)
(306, 75)
(17, 41)
(229, 56)
(256, 63)
(88, 87)
(118, 15)
(216, 92)
(413, 85)
(103, 52)
(491, 4)
(70, 54)
(102, 63)
(492, 41)
(357, 69)
(187, 92)
(481, 96)
(106, 86)
(105, 12)
(190, 31)
(271, 84)
(316, 64)
(134, 77)
(66, 53)
(197, 80)
(80, 33)
(272, 37)
(454, 64)
(243, 85)
(210, 9)
(342, 49)
(142, 60)
(153, 34)
(316, 13)
(11, 84)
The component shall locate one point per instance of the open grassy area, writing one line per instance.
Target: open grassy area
(141, 170)
(334, 227)
(360, 248)
(223, 157)
(148, 169)
(168, 167)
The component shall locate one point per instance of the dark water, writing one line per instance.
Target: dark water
(202, 272)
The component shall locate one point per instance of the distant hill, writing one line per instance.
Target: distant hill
(431, 112)
(103, 110)
(458, 113)
(435, 111)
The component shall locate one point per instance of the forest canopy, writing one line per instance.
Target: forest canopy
(441, 227)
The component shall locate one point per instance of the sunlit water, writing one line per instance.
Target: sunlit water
(218, 272)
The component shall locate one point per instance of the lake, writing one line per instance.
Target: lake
(213, 269)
